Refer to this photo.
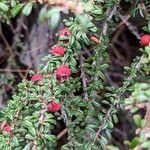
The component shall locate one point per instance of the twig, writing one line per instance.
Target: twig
(67, 122)
(3, 124)
(34, 145)
(83, 77)
(129, 25)
(118, 99)
(126, 18)
(10, 49)
(129, 78)
(110, 80)
(103, 33)
(6, 44)
(104, 120)
(35, 50)
(105, 25)
(62, 133)
(13, 70)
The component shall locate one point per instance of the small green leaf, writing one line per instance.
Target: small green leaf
(54, 20)
(97, 11)
(28, 123)
(42, 14)
(146, 144)
(50, 137)
(94, 29)
(72, 40)
(134, 142)
(137, 120)
(15, 140)
(127, 143)
(27, 9)
(52, 11)
(28, 146)
(16, 9)
(149, 25)
(3, 6)
(89, 146)
(115, 118)
(30, 137)
(64, 147)
(13, 3)
(82, 19)
(143, 123)
(111, 147)
(101, 75)
(92, 126)
(32, 131)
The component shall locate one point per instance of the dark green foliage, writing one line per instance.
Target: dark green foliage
(89, 105)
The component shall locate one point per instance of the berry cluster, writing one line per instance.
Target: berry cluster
(61, 73)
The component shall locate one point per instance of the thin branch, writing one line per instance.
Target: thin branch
(104, 120)
(129, 25)
(105, 25)
(13, 70)
(84, 78)
(130, 78)
(8, 47)
(62, 133)
(118, 99)
(67, 122)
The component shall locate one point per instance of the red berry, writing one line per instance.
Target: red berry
(145, 40)
(37, 77)
(7, 128)
(65, 32)
(53, 106)
(63, 72)
(58, 50)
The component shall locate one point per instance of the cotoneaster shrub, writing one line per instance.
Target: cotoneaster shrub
(67, 87)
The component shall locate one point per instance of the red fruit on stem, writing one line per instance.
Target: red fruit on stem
(7, 128)
(58, 50)
(65, 32)
(37, 77)
(63, 72)
(145, 40)
(53, 106)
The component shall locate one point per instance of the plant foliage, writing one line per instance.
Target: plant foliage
(89, 105)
